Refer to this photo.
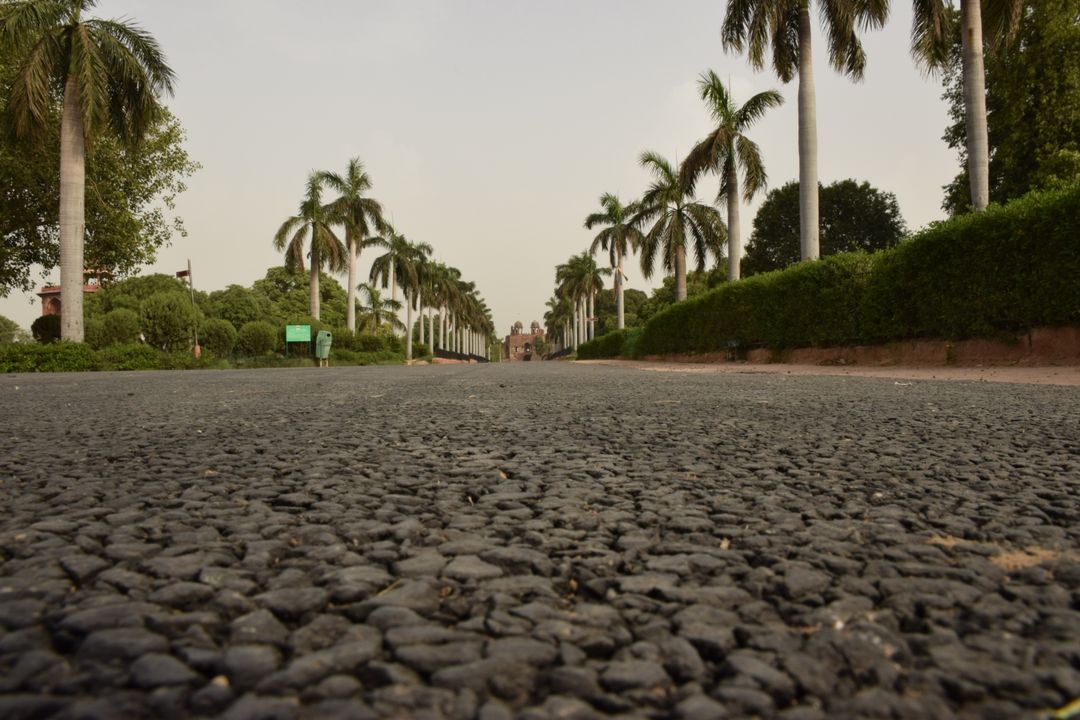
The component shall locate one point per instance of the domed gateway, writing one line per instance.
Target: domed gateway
(521, 346)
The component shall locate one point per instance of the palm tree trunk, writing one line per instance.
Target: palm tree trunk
(72, 215)
(314, 283)
(975, 104)
(408, 326)
(808, 175)
(393, 291)
(592, 315)
(350, 311)
(620, 313)
(680, 273)
(442, 328)
(420, 320)
(577, 306)
(734, 246)
(431, 328)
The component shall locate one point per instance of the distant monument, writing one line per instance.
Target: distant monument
(520, 346)
(50, 294)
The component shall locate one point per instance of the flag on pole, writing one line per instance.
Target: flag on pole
(182, 273)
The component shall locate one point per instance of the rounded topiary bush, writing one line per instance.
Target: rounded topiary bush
(94, 333)
(256, 338)
(120, 326)
(46, 329)
(167, 320)
(218, 337)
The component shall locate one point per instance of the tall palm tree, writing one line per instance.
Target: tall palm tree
(932, 31)
(313, 219)
(754, 25)
(726, 149)
(677, 220)
(377, 310)
(619, 238)
(360, 215)
(397, 267)
(111, 72)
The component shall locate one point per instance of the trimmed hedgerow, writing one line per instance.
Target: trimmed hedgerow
(612, 344)
(130, 356)
(53, 357)
(1009, 268)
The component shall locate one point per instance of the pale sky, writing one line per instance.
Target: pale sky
(491, 127)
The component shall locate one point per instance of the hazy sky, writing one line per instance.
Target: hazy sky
(491, 127)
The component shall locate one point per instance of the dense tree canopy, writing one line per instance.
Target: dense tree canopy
(854, 216)
(130, 194)
(1033, 105)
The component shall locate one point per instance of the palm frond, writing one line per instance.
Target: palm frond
(754, 177)
(931, 34)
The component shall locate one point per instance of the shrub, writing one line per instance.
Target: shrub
(605, 346)
(167, 320)
(218, 337)
(130, 356)
(46, 329)
(53, 357)
(370, 343)
(1008, 268)
(257, 338)
(420, 350)
(94, 332)
(120, 327)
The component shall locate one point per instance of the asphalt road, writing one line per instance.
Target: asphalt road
(535, 541)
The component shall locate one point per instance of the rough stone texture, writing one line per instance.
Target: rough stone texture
(537, 540)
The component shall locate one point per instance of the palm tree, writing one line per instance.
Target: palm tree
(931, 39)
(359, 214)
(398, 267)
(678, 219)
(377, 310)
(312, 219)
(726, 149)
(619, 238)
(111, 72)
(785, 25)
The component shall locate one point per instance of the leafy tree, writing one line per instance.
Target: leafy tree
(784, 25)
(679, 223)
(217, 336)
(1033, 113)
(111, 73)
(120, 326)
(854, 216)
(325, 249)
(46, 329)
(9, 330)
(256, 338)
(167, 321)
(619, 237)
(697, 283)
(238, 305)
(287, 292)
(726, 150)
(607, 310)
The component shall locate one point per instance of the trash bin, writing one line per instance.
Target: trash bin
(322, 347)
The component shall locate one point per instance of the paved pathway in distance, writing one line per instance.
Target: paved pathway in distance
(535, 541)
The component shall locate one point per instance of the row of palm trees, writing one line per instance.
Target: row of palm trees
(464, 320)
(756, 26)
(668, 219)
(784, 26)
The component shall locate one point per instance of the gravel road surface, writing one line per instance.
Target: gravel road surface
(535, 541)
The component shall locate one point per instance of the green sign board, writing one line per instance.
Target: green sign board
(297, 333)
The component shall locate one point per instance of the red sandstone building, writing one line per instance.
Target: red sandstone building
(50, 294)
(521, 346)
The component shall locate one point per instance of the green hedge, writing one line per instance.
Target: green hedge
(130, 356)
(618, 343)
(54, 357)
(1006, 269)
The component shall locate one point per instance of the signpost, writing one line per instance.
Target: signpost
(296, 333)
